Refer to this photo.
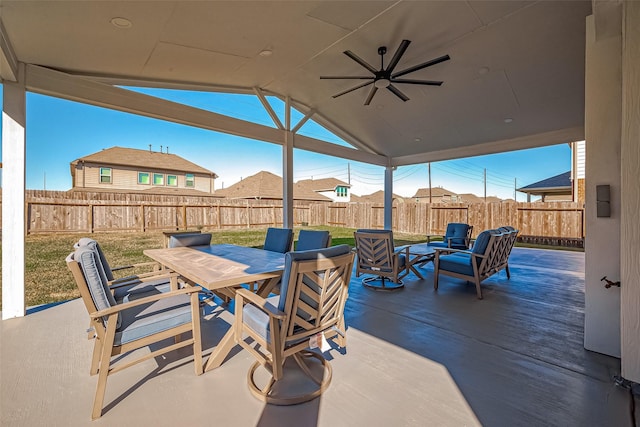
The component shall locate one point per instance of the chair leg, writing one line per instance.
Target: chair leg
(105, 362)
(508, 272)
(478, 289)
(436, 269)
(95, 359)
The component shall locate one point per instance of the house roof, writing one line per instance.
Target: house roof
(121, 156)
(470, 198)
(377, 197)
(435, 192)
(557, 183)
(266, 185)
(324, 184)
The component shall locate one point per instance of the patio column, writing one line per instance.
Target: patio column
(287, 180)
(388, 198)
(13, 196)
(630, 233)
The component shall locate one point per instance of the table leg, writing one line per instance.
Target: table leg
(222, 350)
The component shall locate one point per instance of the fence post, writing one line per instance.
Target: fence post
(142, 216)
(90, 218)
(184, 216)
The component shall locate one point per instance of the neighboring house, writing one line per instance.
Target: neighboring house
(129, 169)
(267, 186)
(578, 158)
(377, 197)
(568, 186)
(555, 189)
(333, 188)
(438, 195)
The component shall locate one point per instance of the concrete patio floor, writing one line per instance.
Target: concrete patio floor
(415, 357)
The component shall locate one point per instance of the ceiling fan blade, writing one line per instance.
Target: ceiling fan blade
(417, 82)
(346, 77)
(372, 92)
(396, 56)
(360, 61)
(352, 89)
(421, 66)
(397, 93)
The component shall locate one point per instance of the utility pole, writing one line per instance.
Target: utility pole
(429, 166)
(45, 181)
(349, 173)
(515, 185)
(485, 185)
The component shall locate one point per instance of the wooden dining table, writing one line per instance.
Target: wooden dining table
(222, 267)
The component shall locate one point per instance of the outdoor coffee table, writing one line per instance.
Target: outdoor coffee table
(420, 253)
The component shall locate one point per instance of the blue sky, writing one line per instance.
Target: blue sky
(60, 131)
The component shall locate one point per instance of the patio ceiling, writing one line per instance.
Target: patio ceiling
(522, 61)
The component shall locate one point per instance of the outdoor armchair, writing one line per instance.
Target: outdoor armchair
(139, 319)
(377, 255)
(310, 306)
(489, 255)
(457, 236)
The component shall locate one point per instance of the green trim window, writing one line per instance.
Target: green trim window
(105, 176)
(158, 179)
(341, 191)
(144, 178)
(172, 180)
(190, 180)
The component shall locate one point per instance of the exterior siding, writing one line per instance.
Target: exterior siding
(125, 178)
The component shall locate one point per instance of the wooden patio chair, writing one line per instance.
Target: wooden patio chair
(314, 291)
(377, 255)
(137, 320)
(489, 255)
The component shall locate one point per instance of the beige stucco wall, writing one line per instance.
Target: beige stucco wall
(630, 168)
(603, 103)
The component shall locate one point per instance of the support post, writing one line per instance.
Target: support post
(287, 181)
(13, 196)
(388, 198)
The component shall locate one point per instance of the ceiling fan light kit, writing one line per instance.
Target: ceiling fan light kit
(385, 77)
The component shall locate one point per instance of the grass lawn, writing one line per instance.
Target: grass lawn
(48, 280)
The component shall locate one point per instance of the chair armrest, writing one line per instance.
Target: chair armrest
(448, 250)
(120, 307)
(133, 280)
(259, 302)
(140, 264)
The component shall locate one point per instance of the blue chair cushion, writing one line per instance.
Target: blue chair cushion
(312, 239)
(438, 244)
(457, 263)
(148, 319)
(94, 275)
(86, 241)
(278, 240)
(187, 239)
(480, 245)
(257, 319)
(149, 287)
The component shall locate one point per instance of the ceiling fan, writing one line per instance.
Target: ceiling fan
(385, 78)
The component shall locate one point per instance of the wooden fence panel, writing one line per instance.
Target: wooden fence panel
(49, 211)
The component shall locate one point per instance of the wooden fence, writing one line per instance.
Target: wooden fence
(56, 211)
(552, 222)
